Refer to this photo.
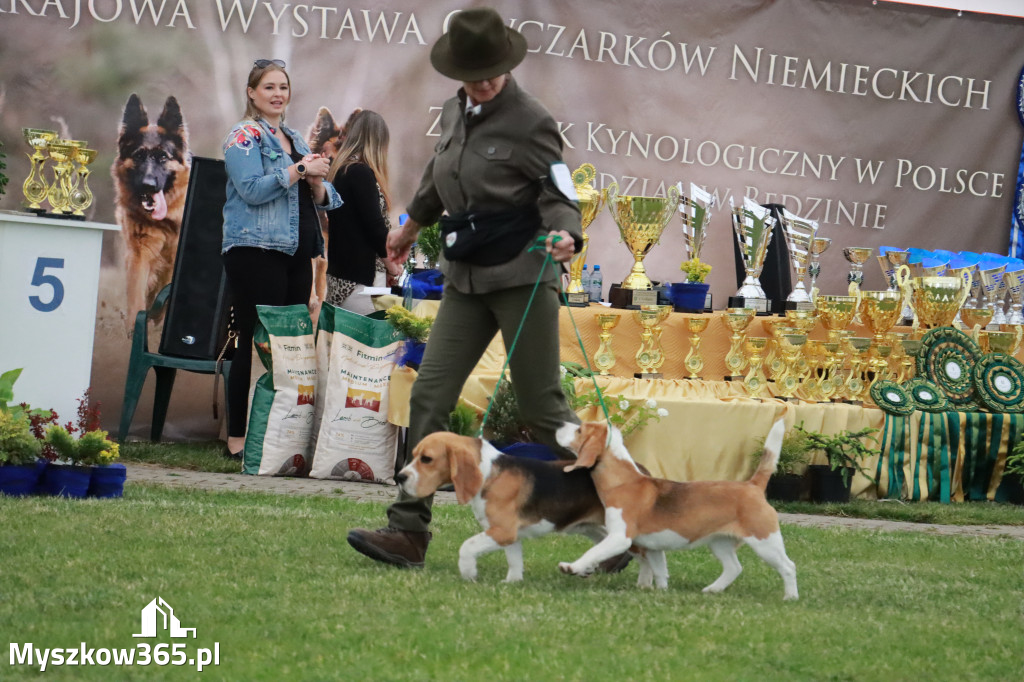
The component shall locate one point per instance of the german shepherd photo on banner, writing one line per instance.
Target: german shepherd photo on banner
(150, 182)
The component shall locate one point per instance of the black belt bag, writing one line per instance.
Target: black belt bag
(488, 238)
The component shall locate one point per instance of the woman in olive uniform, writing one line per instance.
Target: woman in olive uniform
(491, 174)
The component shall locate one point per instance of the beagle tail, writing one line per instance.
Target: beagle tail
(770, 455)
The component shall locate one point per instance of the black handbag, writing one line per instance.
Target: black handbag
(488, 237)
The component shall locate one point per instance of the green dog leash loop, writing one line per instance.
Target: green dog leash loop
(541, 243)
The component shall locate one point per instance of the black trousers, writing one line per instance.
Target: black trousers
(258, 277)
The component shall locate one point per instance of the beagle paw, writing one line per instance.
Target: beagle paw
(571, 569)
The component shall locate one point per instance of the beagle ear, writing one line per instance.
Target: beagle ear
(592, 437)
(464, 463)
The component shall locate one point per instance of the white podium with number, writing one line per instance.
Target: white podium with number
(49, 283)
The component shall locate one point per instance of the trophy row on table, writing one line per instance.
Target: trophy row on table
(843, 367)
(66, 187)
(642, 221)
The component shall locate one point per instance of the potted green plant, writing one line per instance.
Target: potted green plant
(1011, 488)
(691, 294)
(789, 482)
(20, 448)
(86, 457)
(72, 475)
(845, 452)
(19, 454)
(415, 329)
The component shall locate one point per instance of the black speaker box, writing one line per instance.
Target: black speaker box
(199, 306)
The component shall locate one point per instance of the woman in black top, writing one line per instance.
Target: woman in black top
(358, 230)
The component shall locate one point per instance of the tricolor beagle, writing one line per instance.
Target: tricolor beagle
(656, 514)
(511, 497)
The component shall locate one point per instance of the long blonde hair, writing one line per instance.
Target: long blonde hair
(367, 142)
(255, 76)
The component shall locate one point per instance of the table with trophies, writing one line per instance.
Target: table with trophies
(49, 273)
(929, 362)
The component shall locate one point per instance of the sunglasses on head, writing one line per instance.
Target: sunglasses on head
(264, 63)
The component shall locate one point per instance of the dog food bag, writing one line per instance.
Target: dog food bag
(324, 337)
(278, 441)
(355, 440)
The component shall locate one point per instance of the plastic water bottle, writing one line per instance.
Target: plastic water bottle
(585, 280)
(596, 284)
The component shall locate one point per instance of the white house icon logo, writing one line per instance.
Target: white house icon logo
(170, 621)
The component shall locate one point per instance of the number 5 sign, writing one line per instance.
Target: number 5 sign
(49, 281)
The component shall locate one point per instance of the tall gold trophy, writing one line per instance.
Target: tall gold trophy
(753, 226)
(80, 195)
(35, 187)
(591, 201)
(640, 220)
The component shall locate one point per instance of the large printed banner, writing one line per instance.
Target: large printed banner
(888, 124)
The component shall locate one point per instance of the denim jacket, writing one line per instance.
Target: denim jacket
(262, 208)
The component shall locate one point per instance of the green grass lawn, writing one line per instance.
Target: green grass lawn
(271, 580)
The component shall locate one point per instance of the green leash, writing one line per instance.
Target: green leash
(540, 244)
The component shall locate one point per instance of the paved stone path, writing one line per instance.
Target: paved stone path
(372, 492)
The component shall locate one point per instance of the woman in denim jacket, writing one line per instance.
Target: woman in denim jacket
(271, 229)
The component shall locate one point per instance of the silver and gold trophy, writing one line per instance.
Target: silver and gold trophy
(753, 226)
(819, 245)
(695, 211)
(640, 220)
(591, 201)
(800, 234)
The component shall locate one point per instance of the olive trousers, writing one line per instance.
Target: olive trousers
(464, 327)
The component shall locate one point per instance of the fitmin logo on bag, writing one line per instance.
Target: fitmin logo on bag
(157, 619)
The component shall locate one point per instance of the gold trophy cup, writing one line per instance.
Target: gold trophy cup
(819, 245)
(650, 356)
(591, 201)
(604, 359)
(641, 220)
(880, 311)
(755, 382)
(694, 361)
(935, 300)
(737, 320)
(81, 195)
(35, 186)
(63, 153)
(856, 256)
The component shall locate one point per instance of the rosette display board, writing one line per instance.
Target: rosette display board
(891, 398)
(947, 357)
(927, 396)
(999, 382)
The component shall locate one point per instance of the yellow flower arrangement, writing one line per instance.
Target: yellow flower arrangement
(695, 269)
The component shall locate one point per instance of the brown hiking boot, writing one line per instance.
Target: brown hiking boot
(615, 564)
(402, 548)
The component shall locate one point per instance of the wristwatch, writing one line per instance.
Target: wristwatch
(300, 168)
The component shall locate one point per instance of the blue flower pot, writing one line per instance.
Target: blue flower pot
(530, 451)
(107, 481)
(19, 481)
(63, 480)
(689, 297)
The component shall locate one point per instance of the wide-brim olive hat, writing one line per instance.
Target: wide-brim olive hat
(477, 46)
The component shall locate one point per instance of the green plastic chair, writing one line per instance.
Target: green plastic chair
(165, 367)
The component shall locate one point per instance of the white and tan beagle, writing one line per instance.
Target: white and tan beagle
(511, 497)
(656, 514)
